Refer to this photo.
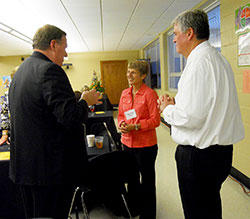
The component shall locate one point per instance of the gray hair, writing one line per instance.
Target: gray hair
(197, 20)
(45, 34)
(140, 65)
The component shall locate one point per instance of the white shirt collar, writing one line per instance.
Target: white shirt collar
(197, 49)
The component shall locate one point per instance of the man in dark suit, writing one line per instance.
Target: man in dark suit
(48, 152)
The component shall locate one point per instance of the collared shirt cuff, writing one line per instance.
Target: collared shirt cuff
(167, 113)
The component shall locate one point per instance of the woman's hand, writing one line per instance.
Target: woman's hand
(126, 128)
(123, 127)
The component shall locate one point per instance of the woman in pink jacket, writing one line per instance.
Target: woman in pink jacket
(137, 119)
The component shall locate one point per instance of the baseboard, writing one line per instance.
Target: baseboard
(240, 177)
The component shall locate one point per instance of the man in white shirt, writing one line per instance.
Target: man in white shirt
(204, 116)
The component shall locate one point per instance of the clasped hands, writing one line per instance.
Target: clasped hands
(125, 128)
(165, 100)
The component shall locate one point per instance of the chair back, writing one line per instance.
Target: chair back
(108, 175)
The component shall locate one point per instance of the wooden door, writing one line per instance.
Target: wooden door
(114, 78)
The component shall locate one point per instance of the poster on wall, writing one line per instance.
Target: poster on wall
(246, 81)
(242, 19)
(244, 49)
(6, 81)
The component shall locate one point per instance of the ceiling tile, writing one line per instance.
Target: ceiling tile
(91, 25)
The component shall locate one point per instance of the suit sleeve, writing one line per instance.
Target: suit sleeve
(60, 98)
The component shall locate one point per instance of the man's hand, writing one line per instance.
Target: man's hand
(91, 97)
(165, 100)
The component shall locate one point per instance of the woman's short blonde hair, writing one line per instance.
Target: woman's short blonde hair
(139, 65)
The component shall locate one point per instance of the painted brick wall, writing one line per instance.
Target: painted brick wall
(229, 42)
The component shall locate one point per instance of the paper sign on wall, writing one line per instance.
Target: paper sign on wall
(246, 81)
(6, 81)
(244, 49)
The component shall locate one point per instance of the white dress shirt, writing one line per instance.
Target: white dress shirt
(206, 110)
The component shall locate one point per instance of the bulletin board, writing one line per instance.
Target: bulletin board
(242, 30)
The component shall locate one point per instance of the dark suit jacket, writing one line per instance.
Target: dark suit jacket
(47, 142)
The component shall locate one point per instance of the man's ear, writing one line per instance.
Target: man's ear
(190, 33)
(52, 44)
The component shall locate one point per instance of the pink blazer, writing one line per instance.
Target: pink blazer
(145, 105)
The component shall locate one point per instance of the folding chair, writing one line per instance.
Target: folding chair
(109, 175)
(83, 190)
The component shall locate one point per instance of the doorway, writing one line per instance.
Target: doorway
(114, 79)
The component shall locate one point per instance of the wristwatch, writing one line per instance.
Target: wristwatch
(136, 127)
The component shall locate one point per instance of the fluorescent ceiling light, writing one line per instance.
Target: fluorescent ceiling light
(20, 36)
(14, 33)
(4, 28)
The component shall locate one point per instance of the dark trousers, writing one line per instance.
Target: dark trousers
(145, 158)
(201, 173)
(47, 201)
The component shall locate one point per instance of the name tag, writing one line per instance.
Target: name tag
(130, 114)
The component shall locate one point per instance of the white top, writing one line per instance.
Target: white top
(207, 110)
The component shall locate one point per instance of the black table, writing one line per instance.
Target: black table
(93, 151)
(4, 148)
(10, 195)
(105, 117)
